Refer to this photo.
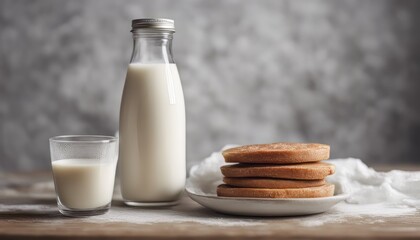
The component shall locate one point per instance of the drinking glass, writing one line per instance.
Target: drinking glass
(83, 167)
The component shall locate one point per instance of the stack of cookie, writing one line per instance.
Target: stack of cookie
(278, 170)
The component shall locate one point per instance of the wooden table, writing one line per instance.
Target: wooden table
(28, 211)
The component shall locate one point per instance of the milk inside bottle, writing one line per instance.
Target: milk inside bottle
(152, 160)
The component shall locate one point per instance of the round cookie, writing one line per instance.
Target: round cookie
(278, 153)
(304, 171)
(326, 190)
(272, 183)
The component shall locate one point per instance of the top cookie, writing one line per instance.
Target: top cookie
(278, 153)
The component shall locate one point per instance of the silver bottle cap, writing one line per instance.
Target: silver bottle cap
(154, 23)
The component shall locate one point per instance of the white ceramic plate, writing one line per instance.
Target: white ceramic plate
(267, 207)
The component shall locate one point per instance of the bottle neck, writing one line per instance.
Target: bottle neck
(152, 47)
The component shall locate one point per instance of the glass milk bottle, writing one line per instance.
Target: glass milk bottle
(152, 119)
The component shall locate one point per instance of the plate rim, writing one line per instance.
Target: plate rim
(341, 196)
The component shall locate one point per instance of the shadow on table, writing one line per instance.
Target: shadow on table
(21, 209)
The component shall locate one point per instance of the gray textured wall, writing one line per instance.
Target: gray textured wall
(339, 72)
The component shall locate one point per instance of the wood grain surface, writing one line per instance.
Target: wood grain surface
(28, 211)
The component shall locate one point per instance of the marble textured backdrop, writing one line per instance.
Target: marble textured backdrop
(344, 73)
